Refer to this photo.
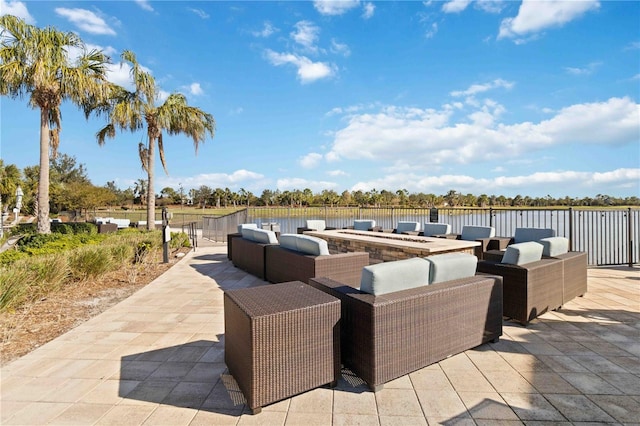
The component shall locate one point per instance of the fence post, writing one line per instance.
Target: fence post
(570, 228)
(490, 216)
(630, 236)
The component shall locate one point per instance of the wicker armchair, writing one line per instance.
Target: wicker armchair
(530, 289)
(387, 336)
(249, 254)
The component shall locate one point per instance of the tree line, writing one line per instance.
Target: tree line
(72, 190)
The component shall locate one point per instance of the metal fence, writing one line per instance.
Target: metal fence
(609, 236)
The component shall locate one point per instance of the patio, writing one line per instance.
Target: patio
(158, 358)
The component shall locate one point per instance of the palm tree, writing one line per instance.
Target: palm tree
(36, 61)
(134, 110)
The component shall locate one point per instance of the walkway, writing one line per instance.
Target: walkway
(157, 358)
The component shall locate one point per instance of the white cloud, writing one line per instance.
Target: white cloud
(540, 182)
(490, 6)
(432, 31)
(369, 10)
(632, 46)
(340, 48)
(267, 30)
(636, 77)
(337, 173)
(333, 7)
(426, 137)
(308, 71)
(535, 16)
(201, 13)
(480, 88)
(86, 20)
(238, 179)
(455, 6)
(144, 4)
(306, 34)
(310, 160)
(18, 9)
(589, 69)
(195, 89)
(299, 183)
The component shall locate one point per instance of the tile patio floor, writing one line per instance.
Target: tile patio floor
(157, 358)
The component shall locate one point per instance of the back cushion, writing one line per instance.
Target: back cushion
(363, 225)
(318, 225)
(522, 253)
(312, 245)
(247, 225)
(407, 227)
(289, 241)
(470, 233)
(260, 236)
(451, 266)
(554, 246)
(523, 235)
(305, 244)
(388, 277)
(436, 229)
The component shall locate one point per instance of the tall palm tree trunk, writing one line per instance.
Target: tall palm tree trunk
(43, 183)
(151, 197)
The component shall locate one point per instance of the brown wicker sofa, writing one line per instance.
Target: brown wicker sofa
(248, 251)
(385, 336)
(301, 257)
(532, 285)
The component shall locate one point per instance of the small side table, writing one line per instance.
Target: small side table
(281, 340)
(498, 243)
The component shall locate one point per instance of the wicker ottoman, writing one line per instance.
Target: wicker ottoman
(281, 340)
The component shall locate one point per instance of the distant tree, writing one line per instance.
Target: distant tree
(140, 190)
(36, 62)
(134, 110)
(10, 179)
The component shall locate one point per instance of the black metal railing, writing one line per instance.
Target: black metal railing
(609, 236)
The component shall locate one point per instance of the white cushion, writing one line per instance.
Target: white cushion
(260, 236)
(363, 225)
(388, 277)
(407, 227)
(554, 246)
(247, 225)
(305, 244)
(436, 229)
(317, 224)
(522, 253)
(522, 235)
(470, 233)
(451, 266)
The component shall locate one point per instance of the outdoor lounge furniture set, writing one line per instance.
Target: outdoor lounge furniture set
(381, 321)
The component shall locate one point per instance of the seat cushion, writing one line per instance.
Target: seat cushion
(388, 277)
(317, 224)
(246, 225)
(407, 227)
(522, 253)
(471, 233)
(554, 246)
(260, 235)
(451, 266)
(363, 225)
(522, 235)
(436, 229)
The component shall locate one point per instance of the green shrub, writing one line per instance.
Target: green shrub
(142, 250)
(91, 262)
(10, 256)
(49, 273)
(179, 239)
(13, 287)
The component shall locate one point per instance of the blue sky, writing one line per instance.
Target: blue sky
(501, 98)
